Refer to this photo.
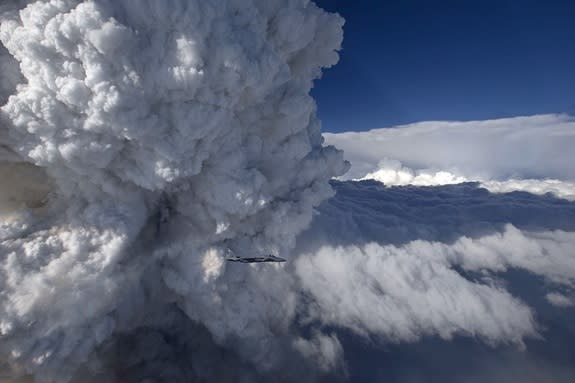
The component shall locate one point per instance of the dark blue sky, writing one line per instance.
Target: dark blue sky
(416, 60)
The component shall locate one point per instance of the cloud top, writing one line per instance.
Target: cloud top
(533, 147)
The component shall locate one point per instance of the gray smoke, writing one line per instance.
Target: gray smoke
(140, 141)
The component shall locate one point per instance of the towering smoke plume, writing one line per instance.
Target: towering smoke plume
(139, 142)
(144, 141)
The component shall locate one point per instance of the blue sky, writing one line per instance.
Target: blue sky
(417, 60)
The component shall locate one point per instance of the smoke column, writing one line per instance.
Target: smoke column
(141, 141)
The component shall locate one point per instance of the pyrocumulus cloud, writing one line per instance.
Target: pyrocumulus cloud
(141, 142)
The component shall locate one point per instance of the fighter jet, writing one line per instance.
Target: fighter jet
(265, 258)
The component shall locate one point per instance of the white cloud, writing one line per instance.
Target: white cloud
(401, 263)
(559, 300)
(561, 189)
(393, 173)
(534, 147)
(405, 293)
(513, 154)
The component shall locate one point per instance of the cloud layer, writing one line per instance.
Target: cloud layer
(533, 147)
(405, 262)
(470, 232)
(141, 142)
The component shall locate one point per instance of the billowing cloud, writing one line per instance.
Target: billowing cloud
(535, 147)
(394, 173)
(141, 142)
(403, 294)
